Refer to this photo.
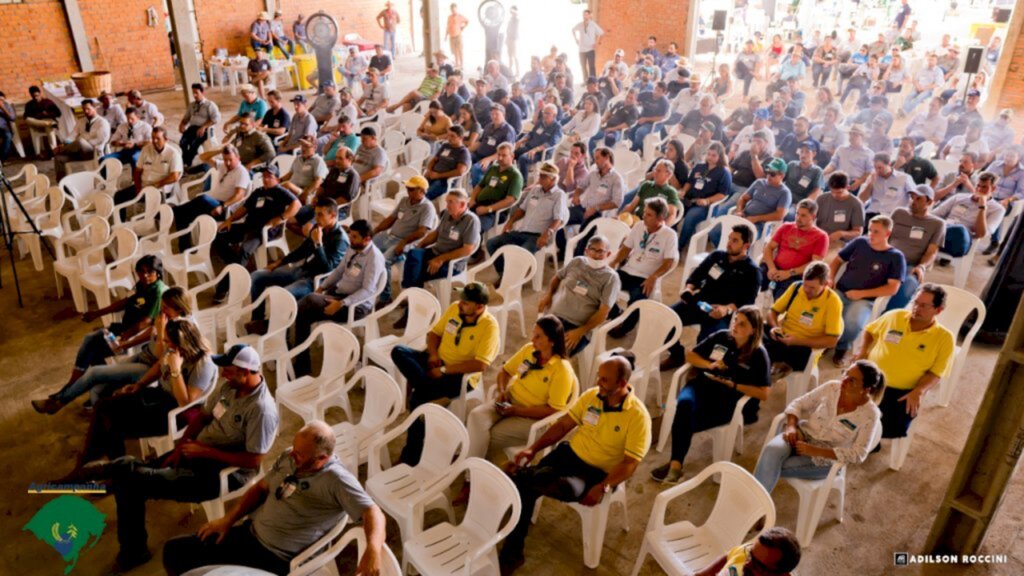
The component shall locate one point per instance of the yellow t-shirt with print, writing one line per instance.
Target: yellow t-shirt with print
(806, 318)
(735, 560)
(470, 342)
(905, 356)
(547, 385)
(604, 435)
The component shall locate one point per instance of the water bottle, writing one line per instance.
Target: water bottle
(705, 307)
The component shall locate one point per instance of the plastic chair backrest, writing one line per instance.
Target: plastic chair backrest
(409, 122)
(282, 308)
(520, 266)
(54, 204)
(627, 161)
(80, 185)
(97, 230)
(416, 151)
(393, 140)
(111, 169)
(493, 495)
(741, 502)
(727, 222)
(385, 403)
(448, 438)
(207, 230)
(424, 312)
(283, 162)
(341, 350)
(659, 323)
(959, 306)
(613, 229)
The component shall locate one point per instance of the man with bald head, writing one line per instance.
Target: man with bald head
(613, 433)
(312, 493)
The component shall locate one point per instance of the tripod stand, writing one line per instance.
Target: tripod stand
(9, 233)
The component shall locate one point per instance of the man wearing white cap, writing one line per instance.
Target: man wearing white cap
(236, 427)
(260, 37)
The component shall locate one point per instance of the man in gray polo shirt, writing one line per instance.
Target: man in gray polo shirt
(235, 428)
(349, 293)
(840, 214)
(854, 159)
(543, 210)
(455, 238)
(582, 293)
(411, 220)
(307, 173)
(197, 124)
(768, 198)
(970, 217)
(312, 493)
(919, 235)
(371, 159)
(303, 126)
(323, 105)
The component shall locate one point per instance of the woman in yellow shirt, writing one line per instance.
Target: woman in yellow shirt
(435, 123)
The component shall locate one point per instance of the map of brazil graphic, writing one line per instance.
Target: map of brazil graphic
(68, 524)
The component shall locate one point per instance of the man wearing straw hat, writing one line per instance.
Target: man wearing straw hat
(260, 37)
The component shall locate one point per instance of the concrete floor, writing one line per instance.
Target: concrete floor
(886, 511)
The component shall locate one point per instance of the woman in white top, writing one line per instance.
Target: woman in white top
(835, 422)
(583, 126)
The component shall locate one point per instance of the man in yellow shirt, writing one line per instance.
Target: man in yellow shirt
(809, 315)
(914, 351)
(775, 552)
(613, 433)
(464, 341)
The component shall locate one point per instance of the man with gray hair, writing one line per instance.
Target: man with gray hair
(657, 187)
(545, 134)
(148, 112)
(583, 293)
(543, 209)
(312, 493)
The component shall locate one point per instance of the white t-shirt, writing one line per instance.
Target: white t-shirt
(589, 32)
(648, 251)
(224, 185)
(158, 165)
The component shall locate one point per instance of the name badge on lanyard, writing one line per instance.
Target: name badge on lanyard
(592, 416)
(916, 233)
(715, 272)
(718, 352)
(804, 181)
(581, 288)
(839, 216)
(893, 336)
(452, 327)
(220, 408)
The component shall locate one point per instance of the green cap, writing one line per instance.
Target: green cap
(475, 292)
(776, 165)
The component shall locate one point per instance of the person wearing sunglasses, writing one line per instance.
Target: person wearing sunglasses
(775, 552)
(304, 495)
(464, 341)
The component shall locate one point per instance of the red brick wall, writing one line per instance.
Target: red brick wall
(628, 24)
(225, 23)
(1012, 95)
(37, 44)
(120, 40)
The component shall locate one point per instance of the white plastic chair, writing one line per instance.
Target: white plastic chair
(308, 395)
(384, 404)
(141, 223)
(470, 546)
(630, 165)
(27, 175)
(697, 250)
(594, 522)
(283, 162)
(417, 152)
(661, 328)
(943, 167)
(262, 255)
(164, 444)
(80, 186)
(380, 203)
(520, 269)
(203, 232)
(814, 493)
(725, 439)
(212, 320)
(424, 312)
(396, 489)
(280, 309)
(68, 251)
(680, 548)
(959, 306)
(409, 123)
(309, 562)
(46, 217)
(538, 428)
(108, 277)
(611, 228)
(442, 287)
(111, 170)
(962, 264)
(800, 383)
(214, 508)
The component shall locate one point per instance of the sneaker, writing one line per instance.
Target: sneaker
(992, 249)
(780, 370)
(943, 262)
(619, 331)
(666, 475)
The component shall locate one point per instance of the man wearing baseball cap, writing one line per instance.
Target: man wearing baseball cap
(410, 221)
(803, 176)
(768, 198)
(919, 235)
(325, 103)
(855, 159)
(303, 125)
(268, 206)
(371, 159)
(543, 208)
(464, 341)
(236, 427)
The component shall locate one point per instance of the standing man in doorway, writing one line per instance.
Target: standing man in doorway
(588, 35)
(389, 20)
(456, 24)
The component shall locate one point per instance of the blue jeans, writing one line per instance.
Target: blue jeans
(524, 162)
(94, 349)
(907, 290)
(190, 143)
(958, 240)
(412, 364)
(386, 244)
(389, 43)
(125, 156)
(293, 279)
(637, 135)
(437, 188)
(692, 218)
(102, 380)
(628, 198)
(6, 143)
(415, 274)
(700, 406)
(476, 174)
(523, 239)
(602, 139)
(914, 99)
(778, 459)
(856, 315)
